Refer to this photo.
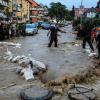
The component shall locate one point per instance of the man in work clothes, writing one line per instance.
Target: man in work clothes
(98, 44)
(53, 35)
(86, 38)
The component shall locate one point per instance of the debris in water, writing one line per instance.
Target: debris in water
(28, 65)
(79, 92)
(17, 45)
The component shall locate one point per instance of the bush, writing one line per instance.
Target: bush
(88, 23)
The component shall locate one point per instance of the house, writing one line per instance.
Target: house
(93, 12)
(87, 12)
(90, 13)
(98, 12)
(38, 12)
(23, 10)
(79, 12)
(4, 8)
(19, 10)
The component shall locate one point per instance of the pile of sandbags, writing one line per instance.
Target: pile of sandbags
(27, 65)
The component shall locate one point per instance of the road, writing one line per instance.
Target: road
(67, 59)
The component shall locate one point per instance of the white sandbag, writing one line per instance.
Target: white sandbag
(77, 45)
(18, 45)
(39, 64)
(15, 59)
(18, 70)
(92, 54)
(6, 58)
(28, 73)
(10, 58)
(24, 62)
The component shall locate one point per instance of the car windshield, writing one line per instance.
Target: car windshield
(30, 26)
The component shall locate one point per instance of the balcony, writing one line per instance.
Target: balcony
(3, 15)
(34, 16)
(15, 7)
(37, 9)
(40, 15)
(37, 15)
(4, 3)
(19, 7)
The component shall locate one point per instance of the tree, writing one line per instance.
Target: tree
(98, 4)
(57, 11)
(73, 12)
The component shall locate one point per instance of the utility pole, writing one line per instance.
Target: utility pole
(81, 2)
(81, 9)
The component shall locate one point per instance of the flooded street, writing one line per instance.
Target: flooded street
(67, 59)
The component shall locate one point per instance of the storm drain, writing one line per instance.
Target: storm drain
(36, 93)
(79, 92)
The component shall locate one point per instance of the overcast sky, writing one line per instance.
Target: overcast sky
(70, 3)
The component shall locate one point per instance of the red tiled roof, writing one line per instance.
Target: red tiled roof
(98, 9)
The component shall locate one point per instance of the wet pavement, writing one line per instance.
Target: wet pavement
(66, 59)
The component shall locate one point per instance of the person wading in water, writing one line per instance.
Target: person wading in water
(86, 38)
(53, 35)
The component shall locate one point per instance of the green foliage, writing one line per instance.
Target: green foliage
(97, 15)
(72, 12)
(88, 23)
(57, 11)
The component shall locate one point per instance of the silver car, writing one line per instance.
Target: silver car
(31, 29)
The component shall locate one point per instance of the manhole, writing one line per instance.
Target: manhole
(79, 92)
(36, 93)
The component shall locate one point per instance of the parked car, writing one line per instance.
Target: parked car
(37, 24)
(31, 29)
(46, 25)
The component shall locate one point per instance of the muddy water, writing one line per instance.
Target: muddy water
(66, 59)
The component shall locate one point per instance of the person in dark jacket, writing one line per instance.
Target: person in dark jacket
(53, 35)
(1, 30)
(98, 44)
(86, 38)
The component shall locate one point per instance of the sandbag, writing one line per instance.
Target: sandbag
(28, 73)
(39, 64)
